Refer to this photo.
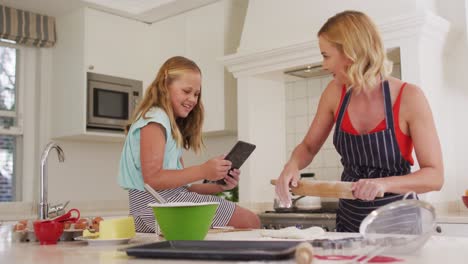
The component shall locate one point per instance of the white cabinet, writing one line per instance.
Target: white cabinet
(113, 45)
(92, 41)
(89, 40)
(212, 32)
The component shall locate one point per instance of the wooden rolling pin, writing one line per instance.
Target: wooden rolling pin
(335, 189)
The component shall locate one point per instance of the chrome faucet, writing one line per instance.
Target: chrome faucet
(43, 209)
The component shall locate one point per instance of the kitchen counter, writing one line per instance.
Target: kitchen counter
(439, 249)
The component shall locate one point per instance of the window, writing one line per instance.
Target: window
(10, 132)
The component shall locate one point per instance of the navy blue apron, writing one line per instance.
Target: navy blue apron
(369, 156)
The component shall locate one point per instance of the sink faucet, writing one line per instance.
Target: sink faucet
(43, 203)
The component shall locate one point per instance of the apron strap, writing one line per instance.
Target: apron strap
(344, 106)
(388, 106)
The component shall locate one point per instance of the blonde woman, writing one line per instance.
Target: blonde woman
(168, 119)
(378, 119)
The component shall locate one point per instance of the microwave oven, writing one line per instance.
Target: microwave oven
(111, 101)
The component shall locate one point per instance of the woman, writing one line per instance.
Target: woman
(378, 119)
(169, 118)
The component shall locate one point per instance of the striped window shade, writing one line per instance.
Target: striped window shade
(27, 28)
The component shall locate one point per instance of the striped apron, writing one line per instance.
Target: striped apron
(368, 156)
(144, 217)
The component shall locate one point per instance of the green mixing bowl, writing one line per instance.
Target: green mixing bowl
(184, 221)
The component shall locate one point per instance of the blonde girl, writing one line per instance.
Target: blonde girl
(168, 119)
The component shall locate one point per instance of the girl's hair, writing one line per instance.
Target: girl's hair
(355, 35)
(186, 131)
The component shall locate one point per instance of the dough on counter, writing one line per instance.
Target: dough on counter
(294, 232)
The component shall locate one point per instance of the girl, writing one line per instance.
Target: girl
(377, 120)
(169, 118)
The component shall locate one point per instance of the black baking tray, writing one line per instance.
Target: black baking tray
(216, 250)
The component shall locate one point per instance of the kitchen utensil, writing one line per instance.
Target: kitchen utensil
(400, 227)
(304, 253)
(67, 217)
(216, 250)
(48, 232)
(184, 221)
(118, 228)
(155, 194)
(335, 189)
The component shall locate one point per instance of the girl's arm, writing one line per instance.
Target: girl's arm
(430, 176)
(152, 144)
(231, 180)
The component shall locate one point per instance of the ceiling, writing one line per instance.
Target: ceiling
(147, 11)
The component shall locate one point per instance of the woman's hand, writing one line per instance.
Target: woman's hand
(369, 189)
(231, 181)
(216, 168)
(289, 176)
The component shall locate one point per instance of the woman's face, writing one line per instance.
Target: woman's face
(334, 60)
(184, 92)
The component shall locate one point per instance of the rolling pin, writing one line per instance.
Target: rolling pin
(334, 189)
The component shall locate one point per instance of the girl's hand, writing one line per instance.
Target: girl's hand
(368, 189)
(289, 176)
(216, 168)
(231, 181)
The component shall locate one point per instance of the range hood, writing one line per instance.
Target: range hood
(308, 71)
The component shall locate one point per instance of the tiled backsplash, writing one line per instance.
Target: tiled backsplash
(302, 99)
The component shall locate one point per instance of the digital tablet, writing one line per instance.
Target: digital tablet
(238, 155)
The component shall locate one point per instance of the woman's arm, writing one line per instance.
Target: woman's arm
(152, 144)
(318, 132)
(430, 176)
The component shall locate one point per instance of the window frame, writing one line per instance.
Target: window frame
(17, 130)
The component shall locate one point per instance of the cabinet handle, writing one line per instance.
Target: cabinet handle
(438, 229)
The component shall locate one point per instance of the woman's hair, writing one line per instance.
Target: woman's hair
(355, 35)
(186, 131)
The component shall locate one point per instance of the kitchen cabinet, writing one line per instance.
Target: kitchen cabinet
(205, 45)
(90, 41)
(94, 41)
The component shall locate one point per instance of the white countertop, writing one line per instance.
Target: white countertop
(437, 250)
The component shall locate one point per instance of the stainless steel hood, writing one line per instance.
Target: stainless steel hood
(309, 71)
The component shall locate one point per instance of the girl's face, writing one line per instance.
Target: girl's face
(184, 92)
(334, 60)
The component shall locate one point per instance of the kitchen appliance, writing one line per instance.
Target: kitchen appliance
(324, 217)
(111, 101)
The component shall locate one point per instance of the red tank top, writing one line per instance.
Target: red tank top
(404, 142)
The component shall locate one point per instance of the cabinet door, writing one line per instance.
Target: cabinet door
(205, 44)
(113, 45)
(163, 40)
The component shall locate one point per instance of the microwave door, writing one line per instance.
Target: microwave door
(109, 105)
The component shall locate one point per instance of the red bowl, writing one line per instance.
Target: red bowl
(48, 232)
(465, 200)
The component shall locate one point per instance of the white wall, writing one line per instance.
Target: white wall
(452, 100)
(302, 97)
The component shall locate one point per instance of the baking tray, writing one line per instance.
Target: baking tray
(216, 250)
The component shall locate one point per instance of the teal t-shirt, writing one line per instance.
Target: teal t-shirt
(130, 176)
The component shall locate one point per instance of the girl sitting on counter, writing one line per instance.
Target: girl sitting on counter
(168, 119)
